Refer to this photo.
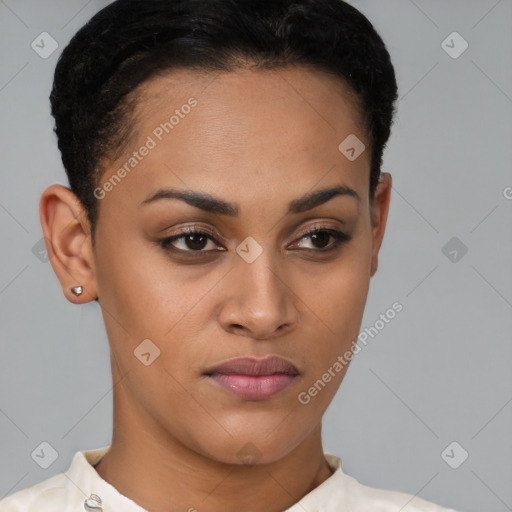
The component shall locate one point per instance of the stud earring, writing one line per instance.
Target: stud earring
(77, 290)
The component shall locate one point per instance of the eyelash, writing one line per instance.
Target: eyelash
(340, 238)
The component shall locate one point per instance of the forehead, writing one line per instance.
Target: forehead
(305, 89)
(243, 131)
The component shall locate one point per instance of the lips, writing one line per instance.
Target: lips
(252, 378)
(253, 366)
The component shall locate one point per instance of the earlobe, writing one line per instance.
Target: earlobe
(379, 215)
(67, 235)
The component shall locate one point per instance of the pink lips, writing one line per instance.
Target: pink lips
(252, 378)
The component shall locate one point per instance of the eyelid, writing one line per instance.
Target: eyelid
(317, 226)
(195, 228)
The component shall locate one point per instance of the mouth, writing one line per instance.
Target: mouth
(252, 378)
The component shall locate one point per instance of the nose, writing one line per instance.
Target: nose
(258, 302)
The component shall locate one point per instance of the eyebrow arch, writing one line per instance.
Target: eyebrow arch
(215, 205)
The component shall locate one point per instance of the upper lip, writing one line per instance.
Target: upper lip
(269, 365)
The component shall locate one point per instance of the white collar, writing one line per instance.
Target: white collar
(71, 489)
(82, 473)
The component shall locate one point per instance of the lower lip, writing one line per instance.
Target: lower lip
(253, 387)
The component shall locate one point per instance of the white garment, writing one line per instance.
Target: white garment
(67, 492)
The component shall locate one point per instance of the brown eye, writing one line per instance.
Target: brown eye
(190, 240)
(195, 241)
(320, 239)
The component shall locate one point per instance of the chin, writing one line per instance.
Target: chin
(250, 449)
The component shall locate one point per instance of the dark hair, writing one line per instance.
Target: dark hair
(130, 41)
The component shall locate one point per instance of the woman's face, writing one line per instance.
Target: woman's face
(258, 145)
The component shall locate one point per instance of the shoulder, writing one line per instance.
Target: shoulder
(358, 497)
(391, 501)
(47, 496)
(60, 492)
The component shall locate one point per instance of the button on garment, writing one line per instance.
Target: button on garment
(93, 503)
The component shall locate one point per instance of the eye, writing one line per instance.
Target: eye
(320, 237)
(191, 239)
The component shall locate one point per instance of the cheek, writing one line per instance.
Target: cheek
(337, 294)
(339, 306)
(135, 285)
(144, 296)
(336, 301)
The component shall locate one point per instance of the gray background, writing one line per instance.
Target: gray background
(439, 372)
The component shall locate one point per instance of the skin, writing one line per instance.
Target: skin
(260, 139)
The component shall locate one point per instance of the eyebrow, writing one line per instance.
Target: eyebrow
(218, 206)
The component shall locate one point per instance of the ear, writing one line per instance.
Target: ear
(379, 215)
(66, 232)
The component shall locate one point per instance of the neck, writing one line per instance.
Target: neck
(161, 474)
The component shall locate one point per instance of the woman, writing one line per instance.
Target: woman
(226, 209)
